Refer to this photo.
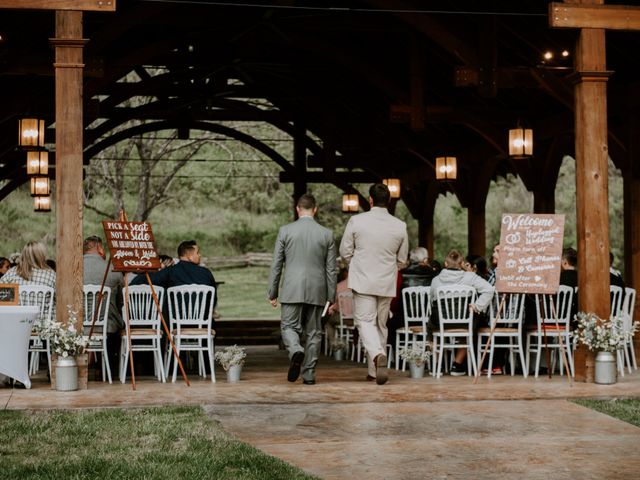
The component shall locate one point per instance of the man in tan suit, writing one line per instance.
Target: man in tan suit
(375, 244)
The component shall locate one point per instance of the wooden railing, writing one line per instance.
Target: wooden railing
(242, 261)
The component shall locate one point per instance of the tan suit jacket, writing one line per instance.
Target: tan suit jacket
(375, 244)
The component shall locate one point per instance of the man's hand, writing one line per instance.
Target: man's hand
(332, 308)
(473, 308)
(273, 302)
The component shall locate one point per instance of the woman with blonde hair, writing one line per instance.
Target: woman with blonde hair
(31, 268)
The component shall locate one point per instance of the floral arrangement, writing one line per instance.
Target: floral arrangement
(339, 345)
(416, 354)
(64, 340)
(600, 335)
(233, 355)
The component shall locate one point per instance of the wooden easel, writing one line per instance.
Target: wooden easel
(123, 218)
(546, 343)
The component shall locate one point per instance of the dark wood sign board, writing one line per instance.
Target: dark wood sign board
(9, 294)
(131, 245)
(530, 253)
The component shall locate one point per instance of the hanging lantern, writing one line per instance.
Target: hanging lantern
(42, 203)
(394, 186)
(520, 142)
(446, 168)
(37, 162)
(39, 186)
(350, 203)
(30, 133)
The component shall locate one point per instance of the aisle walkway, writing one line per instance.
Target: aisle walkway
(346, 427)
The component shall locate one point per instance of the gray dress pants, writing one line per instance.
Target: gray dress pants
(298, 318)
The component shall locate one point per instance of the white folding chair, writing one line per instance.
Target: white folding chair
(416, 308)
(628, 306)
(143, 328)
(453, 303)
(557, 336)
(191, 313)
(42, 297)
(98, 341)
(622, 355)
(508, 324)
(346, 328)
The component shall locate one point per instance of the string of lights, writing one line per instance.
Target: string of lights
(346, 9)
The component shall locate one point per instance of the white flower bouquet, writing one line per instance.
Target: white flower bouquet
(64, 340)
(416, 354)
(597, 334)
(339, 345)
(233, 355)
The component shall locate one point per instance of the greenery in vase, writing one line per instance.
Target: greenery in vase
(600, 335)
(65, 340)
(230, 356)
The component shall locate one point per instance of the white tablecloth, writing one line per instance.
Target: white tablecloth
(16, 324)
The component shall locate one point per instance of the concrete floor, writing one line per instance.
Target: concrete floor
(344, 426)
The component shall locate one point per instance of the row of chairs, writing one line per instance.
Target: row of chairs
(553, 314)
(190, 309)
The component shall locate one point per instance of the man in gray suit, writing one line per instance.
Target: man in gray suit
(375, 244)
(306, 250)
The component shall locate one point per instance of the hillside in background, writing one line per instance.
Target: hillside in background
(227, 197)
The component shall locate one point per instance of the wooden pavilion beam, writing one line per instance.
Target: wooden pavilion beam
(76, 5)
(591, 15)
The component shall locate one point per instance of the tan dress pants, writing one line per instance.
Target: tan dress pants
(370, 314)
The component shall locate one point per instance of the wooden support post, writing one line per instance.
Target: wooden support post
(69, 128)
(299, 164)
(477, 242)
(592, 208)
(632, 217)
(544, 201)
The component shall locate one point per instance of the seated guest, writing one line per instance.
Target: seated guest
(31, 268)
(186, 272)
(477, 265)
(569, 278)
(166, 261)
(615, 277)
(95, 266)
(453, 274)
(5, 265)
(419, 273)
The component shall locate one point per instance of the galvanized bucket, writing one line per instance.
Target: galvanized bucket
(233, 374)
(606, 368)
(417, 371)
(66, 374)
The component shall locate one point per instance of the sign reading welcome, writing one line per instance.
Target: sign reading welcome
(530, 253)
(131, 246)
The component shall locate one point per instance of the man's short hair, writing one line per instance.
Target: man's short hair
(454, 259)
(306, 202)
(379, 194)
(611, 259)
(185, 247)
(570, 256)
(91, 243)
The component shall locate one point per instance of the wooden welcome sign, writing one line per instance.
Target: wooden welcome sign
(530, 253)
(131, 246)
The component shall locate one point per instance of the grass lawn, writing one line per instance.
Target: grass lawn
(244, 293)
(626, 410)
(160, 443)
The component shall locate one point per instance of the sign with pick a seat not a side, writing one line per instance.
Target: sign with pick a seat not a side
(530, 253)
(131, 246)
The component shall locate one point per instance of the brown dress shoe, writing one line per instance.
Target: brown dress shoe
(381, 369)
(370, 378)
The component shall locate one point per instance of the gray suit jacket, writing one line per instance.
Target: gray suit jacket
(376, 245)
(306, 251)
(94, 267)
